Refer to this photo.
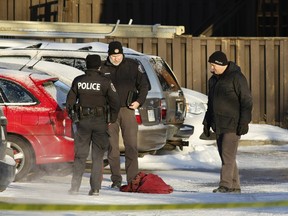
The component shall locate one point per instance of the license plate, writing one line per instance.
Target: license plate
(151, 116)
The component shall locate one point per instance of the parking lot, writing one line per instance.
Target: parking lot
(263, 172)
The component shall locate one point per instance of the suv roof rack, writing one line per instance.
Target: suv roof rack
(85, 30)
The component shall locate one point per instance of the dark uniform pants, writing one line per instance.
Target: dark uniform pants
(129, 127)
(227, 147)
(90, 129)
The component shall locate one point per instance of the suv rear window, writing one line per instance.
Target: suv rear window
(74, 62)
(165, 75)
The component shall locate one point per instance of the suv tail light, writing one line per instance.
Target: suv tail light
(57, 121)
(163, 109)
(138, 117)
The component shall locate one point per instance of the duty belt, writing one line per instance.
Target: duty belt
(94, 111)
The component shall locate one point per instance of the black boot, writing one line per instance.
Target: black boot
(93, 192)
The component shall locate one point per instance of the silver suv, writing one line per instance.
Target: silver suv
(161, 118)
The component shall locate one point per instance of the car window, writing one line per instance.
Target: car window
(13, 93)
(1, 96)
(58, 90)
(165, 75)
(74, 62)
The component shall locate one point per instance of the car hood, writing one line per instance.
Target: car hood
(196, 101)
(192, 95)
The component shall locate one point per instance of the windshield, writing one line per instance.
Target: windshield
(165, 75)
(58, 90)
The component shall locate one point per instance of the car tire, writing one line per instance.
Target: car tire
(23, 156)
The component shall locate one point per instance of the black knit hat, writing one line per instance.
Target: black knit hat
(93, 61)
(218, 58)
(115, 47)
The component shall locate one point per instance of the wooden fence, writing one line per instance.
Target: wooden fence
(264, 61)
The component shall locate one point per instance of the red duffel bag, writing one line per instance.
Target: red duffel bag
(147, 183)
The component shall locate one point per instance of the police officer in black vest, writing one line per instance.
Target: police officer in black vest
(88, 99)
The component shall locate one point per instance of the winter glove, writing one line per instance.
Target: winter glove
(206, 130)
(242, 129)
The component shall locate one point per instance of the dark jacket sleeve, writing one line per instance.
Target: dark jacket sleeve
(245, 99)
(208, 118)
(142, 87)
(113, 102)
(72, 96)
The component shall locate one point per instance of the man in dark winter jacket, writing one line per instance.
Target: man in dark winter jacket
(86, 104)
(129, 79)
(228, 114)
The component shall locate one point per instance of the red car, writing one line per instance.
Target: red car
(39, 129)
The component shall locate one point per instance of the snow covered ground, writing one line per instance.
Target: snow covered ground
(193, 173)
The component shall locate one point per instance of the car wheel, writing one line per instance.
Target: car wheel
(23, 156)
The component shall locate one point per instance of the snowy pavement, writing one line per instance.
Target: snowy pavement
(193, 175)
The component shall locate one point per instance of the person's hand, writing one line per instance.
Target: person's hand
(206, 130)
(242, 129)
(134, 105)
